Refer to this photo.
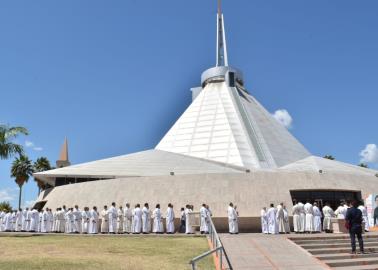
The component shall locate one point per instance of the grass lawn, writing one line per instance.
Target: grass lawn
(59, 252)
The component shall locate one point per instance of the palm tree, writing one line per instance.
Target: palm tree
(329, 157)
(40, 165)
(21, 170)
(7, 147)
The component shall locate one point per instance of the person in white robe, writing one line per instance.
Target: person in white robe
(62, 220)
(232, 219)
(137, 218)
(112, 218)
(127, 214)
(120, 220)
(286, 220)
(105, 220)
(77, 218)
(280, 218)
(170, 219)
(18, 226)
(309, 225)
(7, 220)
(93, 221)
(188, 224)
(70, 219)
(204, 229)
(209, 216)
(2, 214)
(302, 217)
(328, 215)
(34, 220)
(317, 218)
(50, 220)
(56, 226)
(157, 220)
(272, 220)
(29, 215)
(365, 217)
(44, 221)
(85, 219)
(237, 219)
(341, 211)
(264, 221)
(24, 221)
(55, 221)
(296, 218)
(64, 209)
(145, 219)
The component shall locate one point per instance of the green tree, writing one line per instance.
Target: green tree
(363, 165)
(40, 165)
(21, 170)
(7, 147)
(329, 157)
(5, 206)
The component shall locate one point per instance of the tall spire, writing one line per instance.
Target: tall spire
(222, 58)
(63, 160)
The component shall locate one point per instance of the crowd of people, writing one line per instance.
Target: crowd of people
(110, 220)
(307, 218)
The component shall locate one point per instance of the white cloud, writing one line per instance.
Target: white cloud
(284, 118)
(7, 194)
(30, 144)
(369, 154)
(28, 204)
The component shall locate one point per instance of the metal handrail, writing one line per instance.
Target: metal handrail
(218, 249)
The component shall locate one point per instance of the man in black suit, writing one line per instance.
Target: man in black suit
(354, 222)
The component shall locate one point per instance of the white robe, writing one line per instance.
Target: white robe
(77, 220)
(127, 215)
(232, 220)
(302, 217)
(24, 220)
(170, 220)
(137, 220)
(18, 225)
(341, 212)
(204, 220)
(264, 222)
(365, 217)
(188, 225)
(2, 215)
(158, 224)
(286, 220)
(104, 221)
(45, 220)
(272, 221)
(85, 219)
(280, 219)
(61, 221)
(28, 219)
(296, 219)
(309, 225)
(34, 220)
(328, 214)
(93, 222)
(70, 220)
(145, 220)
(7, 220)
(120, 220)
(112, 212)
(317, 219)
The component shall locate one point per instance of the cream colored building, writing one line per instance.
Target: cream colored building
(226, 147)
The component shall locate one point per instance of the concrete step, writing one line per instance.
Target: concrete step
(332, 241)
(331, 251)
(342, 245)
(352, 262)
(345, 256)
(360, 267)
(329, 237)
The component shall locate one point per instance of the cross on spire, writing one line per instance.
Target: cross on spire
(222, 58)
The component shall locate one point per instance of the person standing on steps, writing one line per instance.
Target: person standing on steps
(353, 219)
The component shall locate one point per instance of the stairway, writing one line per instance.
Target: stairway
(334, 251)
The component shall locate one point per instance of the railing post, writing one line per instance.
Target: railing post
(220, 259)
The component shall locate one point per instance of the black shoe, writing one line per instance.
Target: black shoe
(353, 252)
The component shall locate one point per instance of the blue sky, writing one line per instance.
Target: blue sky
(113, 76)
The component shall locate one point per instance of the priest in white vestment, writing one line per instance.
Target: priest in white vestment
(24, 226)
(302, 217)
(85, 220)
(157, 220)
(34, 220)
(286, 220)
(145, 219)
(120, 220)
(232, 219)
(309, 225)
(77, 219)
(44, 221)
(317, 218)
(188, 223)
(296, 218)
(93, 221)
(105, 220)
(137, 219)
(28, 219)
(127, 214)
(112, 218)
(341, 211)
(18, 225)
(203, 219)
(170, 219)
(264, 221)
(365, 217)
(328, 215)
(280, 218)
(272, 220)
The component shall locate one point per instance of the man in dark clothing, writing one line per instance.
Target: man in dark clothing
(376, 211)
(354, 220)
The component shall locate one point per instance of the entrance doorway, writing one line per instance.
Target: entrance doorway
(334, 197)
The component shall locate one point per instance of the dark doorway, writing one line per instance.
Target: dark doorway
(39, 205)
(334, 197)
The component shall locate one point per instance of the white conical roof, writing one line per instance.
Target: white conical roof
(226, 124)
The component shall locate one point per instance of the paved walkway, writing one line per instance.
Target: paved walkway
(267, 252)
